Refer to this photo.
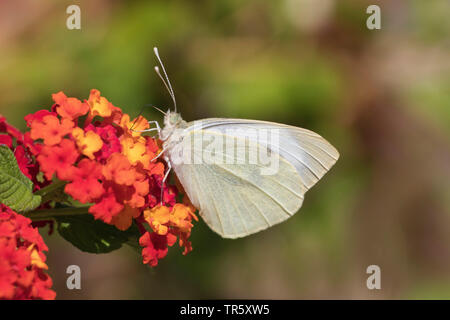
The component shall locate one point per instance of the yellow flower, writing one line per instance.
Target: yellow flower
(36, 259)
(181, 217)
(137, 124)
(100, 106)
(157, 217)
(88, 143)
(135, 151)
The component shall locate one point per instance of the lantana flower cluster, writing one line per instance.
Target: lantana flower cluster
(106, 161)
(103, 160)
(22, 261)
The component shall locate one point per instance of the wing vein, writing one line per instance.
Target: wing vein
(260, 211)
(257, 187)
(284, 186)
(216, 212)
(229, 218)
(238, 211)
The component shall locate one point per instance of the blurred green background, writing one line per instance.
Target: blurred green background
(382, 97)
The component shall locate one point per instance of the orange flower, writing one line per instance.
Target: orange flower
(181, 217)
(157, 218)
(135, 151)
(155, 246)
(50, 129)
(141, 189)
(85, 186)
(137, 124)
(124, 219)
(156, 168)
(100, 106)
(161, 217)
(70, 108)
(88, 143)
(107, 208)
(59, 159)
(119, 170)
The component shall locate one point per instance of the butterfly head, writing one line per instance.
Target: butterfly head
(172, 122)
(172, 119)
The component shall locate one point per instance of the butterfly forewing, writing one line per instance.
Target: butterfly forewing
(235, 192)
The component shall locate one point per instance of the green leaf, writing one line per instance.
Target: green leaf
(93, 236)
(16, 190)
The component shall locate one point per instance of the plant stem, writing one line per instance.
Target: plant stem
(50, 188)
(44, 214)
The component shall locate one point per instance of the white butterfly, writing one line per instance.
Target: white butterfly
(233, 197)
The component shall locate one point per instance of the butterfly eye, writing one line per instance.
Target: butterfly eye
(174, 118)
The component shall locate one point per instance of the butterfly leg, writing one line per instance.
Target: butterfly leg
(159, 155)
(146, 130)
(158, 128)
(169, 167)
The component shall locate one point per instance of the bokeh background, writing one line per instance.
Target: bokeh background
(380, 96)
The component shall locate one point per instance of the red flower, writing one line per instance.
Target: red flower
(170, 223)
(5, 127)
(22, 261)
(58, 159)
(107, 208)
(154, 196)
(7, 140)
(25, 163)
(85, 186)
(24, 148)
(155, 246)
(111, 143)
(38, 117)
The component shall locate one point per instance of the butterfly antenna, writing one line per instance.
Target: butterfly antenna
(166, 81)
(135, 120)
(160, 110)
(167, 87)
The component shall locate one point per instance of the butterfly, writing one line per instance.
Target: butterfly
(216, 162)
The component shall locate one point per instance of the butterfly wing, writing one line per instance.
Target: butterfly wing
(233, 196)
